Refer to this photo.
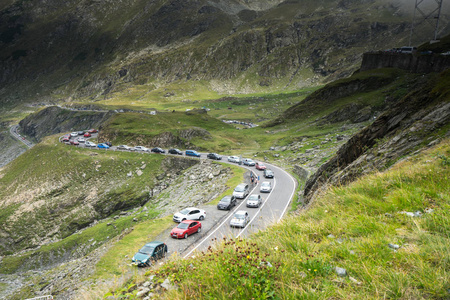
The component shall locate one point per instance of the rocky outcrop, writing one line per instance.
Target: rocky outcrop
(53, 120)
(354, 112)
(419, 120)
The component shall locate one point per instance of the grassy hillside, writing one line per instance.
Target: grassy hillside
(364, 228)
(53, 190)
(373, 90)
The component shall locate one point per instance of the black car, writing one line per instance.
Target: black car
(175, 151)
(158, 150)
(268, 173)
(227, 202)
(80, 132)
(214, 156)
(108, 143)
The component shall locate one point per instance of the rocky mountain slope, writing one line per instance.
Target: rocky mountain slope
(91, 49)
(420, 119)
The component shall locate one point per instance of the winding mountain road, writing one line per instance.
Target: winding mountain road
(13, 130)
(272, 210)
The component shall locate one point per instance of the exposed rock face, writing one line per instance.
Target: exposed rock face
(356, 113)
(408, 126)
(52, 120)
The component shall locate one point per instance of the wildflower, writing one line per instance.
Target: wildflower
(276, 248)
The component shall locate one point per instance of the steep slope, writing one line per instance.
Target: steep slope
(53, 120)
(90, 49)
(420, 119)
(53, 190)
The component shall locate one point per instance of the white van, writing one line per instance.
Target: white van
(408, 50)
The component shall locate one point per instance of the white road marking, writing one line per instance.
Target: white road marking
(220, 225)
(259, 210)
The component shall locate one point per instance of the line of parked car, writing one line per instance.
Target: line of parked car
(188, 218)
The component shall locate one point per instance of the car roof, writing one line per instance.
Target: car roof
(154, 243)
(240, 212)
(192, 208)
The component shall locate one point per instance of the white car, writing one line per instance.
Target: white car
(254, 200)
(266, 187)
(141, 148)
(73, 134)
(241, 191)
(234, 159)
(81, 140)
(240, 219)
(190, 213)
(90, 144)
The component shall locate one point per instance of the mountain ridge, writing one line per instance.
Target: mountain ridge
(84, 50)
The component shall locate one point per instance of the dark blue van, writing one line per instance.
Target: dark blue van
(192, 153)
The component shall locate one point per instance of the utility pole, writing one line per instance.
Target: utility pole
(427, 13)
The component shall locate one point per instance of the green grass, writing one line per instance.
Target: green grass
(54, 181)
(118, 258)
(88, 239)
(236, 178)
(364, 217)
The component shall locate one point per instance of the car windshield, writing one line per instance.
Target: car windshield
(183, 225)
(226, 200)
(265, 184)
(147, 250)
(261, 165)
(185, 211)
(253, 197)
(249, 160)
(239, 216)
(239, 188)
(269, 172)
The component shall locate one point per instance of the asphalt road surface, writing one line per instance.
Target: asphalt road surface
(15, 133)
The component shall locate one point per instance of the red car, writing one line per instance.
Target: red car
(87, 134)
(92, 131)
(260, 166)
(186, 228)
(74, 142)
(65, 139)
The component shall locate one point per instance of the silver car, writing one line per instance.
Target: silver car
(125, 147)
(266, 187)
(142, 148)
(248, 162)
(241, 191)
(90, 144)
(254, 200)
(240, 219)
(234, 159)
